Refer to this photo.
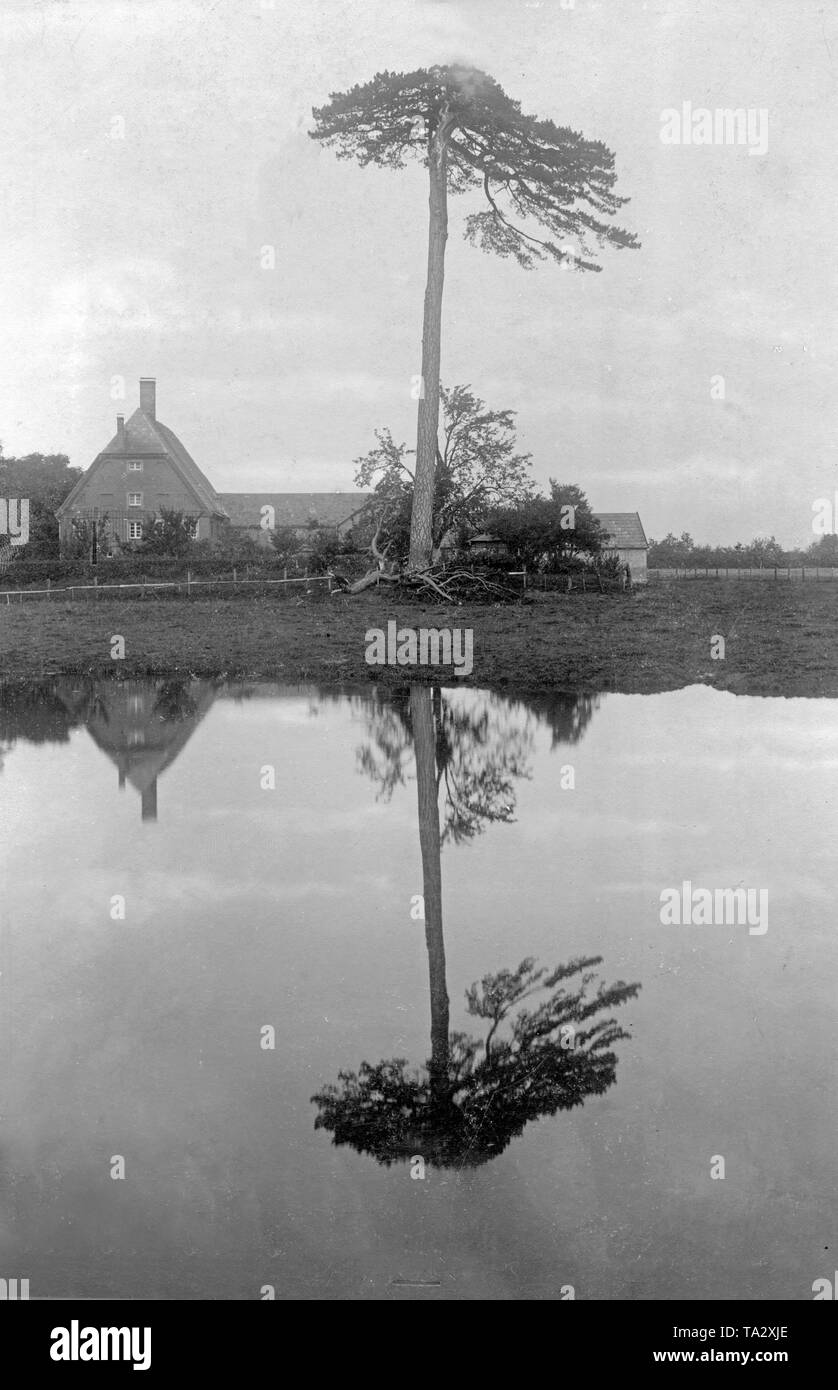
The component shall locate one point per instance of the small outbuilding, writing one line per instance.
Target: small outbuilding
(487, 544)
(627, 539)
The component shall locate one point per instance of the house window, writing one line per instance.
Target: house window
(193, 527)
(135, 530)
(135, 465)
(135, 499)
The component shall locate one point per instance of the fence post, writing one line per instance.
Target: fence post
(235, 578)
(188, 583)
(96, 586)
(802, 573)
(49, 586)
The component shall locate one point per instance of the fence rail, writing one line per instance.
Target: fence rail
(785, 572)
(152, 586)
(142, 587)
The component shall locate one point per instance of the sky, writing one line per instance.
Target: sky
(153, 148)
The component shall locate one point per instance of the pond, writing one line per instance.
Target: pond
(372, 994)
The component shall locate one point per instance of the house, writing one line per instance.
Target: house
(338, 514)
(627, 539)
(144, 468)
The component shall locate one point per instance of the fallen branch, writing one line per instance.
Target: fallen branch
(434, 585)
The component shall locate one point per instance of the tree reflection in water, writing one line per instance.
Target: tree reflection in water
(474, 1095)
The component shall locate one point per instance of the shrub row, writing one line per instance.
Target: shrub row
(28, 574)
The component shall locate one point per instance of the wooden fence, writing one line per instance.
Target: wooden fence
(786, 572)
(142, 588)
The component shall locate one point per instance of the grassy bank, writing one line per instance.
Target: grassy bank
(779, 639)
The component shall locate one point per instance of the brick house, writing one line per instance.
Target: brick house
(144, 468)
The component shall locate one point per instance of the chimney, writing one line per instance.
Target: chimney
(120, 430)
(148, 392)
(149, 804)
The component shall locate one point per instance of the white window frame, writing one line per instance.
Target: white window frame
(134, 530)
(138, 499)
(135, 465)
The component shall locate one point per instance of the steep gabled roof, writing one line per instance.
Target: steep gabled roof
(293, 508)
(625, 530)
(144, 438)
(200, 484)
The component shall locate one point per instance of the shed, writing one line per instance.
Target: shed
(486, 544)
(627, 539)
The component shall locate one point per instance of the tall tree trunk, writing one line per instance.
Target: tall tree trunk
(421, 520)
(422, 719)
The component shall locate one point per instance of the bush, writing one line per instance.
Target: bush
(132, 568)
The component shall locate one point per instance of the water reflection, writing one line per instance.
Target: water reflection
(142, 726)
(476, 1094)
(291, 908)
(482, 745)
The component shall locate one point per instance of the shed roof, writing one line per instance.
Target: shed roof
(625, 530)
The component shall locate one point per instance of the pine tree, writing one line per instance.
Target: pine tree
(471, 136)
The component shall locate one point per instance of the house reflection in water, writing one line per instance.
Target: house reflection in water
(142, 726)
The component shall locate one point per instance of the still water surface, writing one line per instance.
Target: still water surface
(575, 1151)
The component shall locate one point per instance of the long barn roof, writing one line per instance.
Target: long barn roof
(293, 508)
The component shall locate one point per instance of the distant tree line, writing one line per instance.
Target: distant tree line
(681, 552)
(45, 479)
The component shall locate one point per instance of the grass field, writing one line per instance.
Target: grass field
(779, 639)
